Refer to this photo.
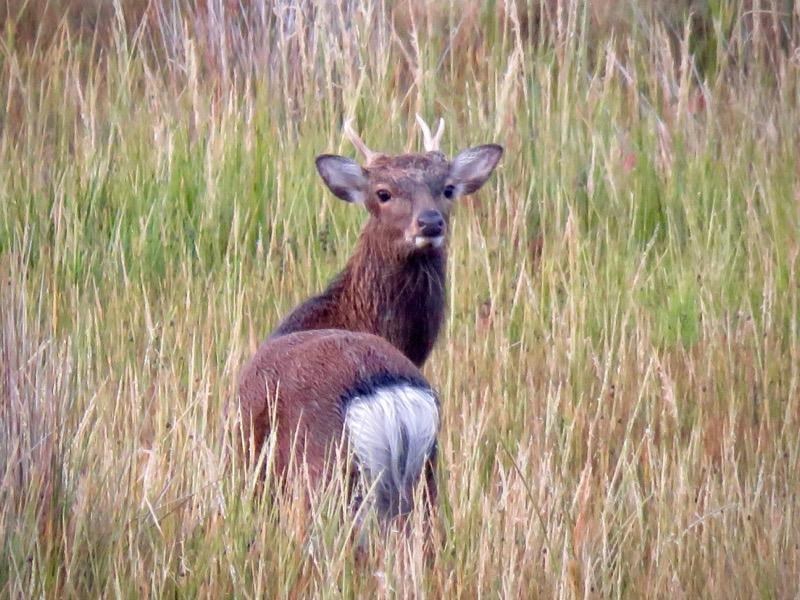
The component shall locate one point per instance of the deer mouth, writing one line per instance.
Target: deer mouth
(428, 241)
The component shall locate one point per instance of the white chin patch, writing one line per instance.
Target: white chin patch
(423, 241)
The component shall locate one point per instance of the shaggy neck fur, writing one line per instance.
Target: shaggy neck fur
(400, 297)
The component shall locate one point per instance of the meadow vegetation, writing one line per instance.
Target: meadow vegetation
(620, 368)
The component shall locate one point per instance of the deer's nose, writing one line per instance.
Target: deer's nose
(431, 223)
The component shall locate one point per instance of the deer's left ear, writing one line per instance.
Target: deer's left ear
(472, 167)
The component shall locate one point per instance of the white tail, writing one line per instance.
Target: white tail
(392, 431)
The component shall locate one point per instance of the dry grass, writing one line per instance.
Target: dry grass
(620, 372)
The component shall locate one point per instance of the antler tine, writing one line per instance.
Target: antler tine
(356, 140)
(430, 141)
(439, 133)
(427, 140)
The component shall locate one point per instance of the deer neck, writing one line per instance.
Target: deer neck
(400, 297)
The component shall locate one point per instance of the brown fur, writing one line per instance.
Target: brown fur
(389, 287)
(401, 299)
(379, 317)
(311, 372)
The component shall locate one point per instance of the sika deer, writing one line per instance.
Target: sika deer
(345, 362)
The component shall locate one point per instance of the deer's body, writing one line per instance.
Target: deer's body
(318, 386)
(344, 365)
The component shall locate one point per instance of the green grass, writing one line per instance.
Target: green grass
(620, 371)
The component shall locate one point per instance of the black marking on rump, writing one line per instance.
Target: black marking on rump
(383, 379)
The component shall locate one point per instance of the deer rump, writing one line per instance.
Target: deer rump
(315, 389)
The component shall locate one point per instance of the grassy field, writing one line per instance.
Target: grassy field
(620, 369)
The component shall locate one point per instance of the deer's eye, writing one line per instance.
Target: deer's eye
(449, 191)
(383, 195)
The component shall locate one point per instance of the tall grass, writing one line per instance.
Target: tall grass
(620, 371)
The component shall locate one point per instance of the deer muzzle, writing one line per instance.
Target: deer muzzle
(430, 229)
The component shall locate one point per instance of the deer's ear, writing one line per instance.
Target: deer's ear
(472, 167)
(344, 177)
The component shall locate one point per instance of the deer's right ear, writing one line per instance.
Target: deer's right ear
(344, 177)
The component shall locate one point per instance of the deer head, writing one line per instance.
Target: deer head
(409, 196)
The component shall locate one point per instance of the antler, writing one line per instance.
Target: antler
(431, 142)
(357, 141)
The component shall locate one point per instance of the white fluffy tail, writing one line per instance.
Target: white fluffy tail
(392, 430)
